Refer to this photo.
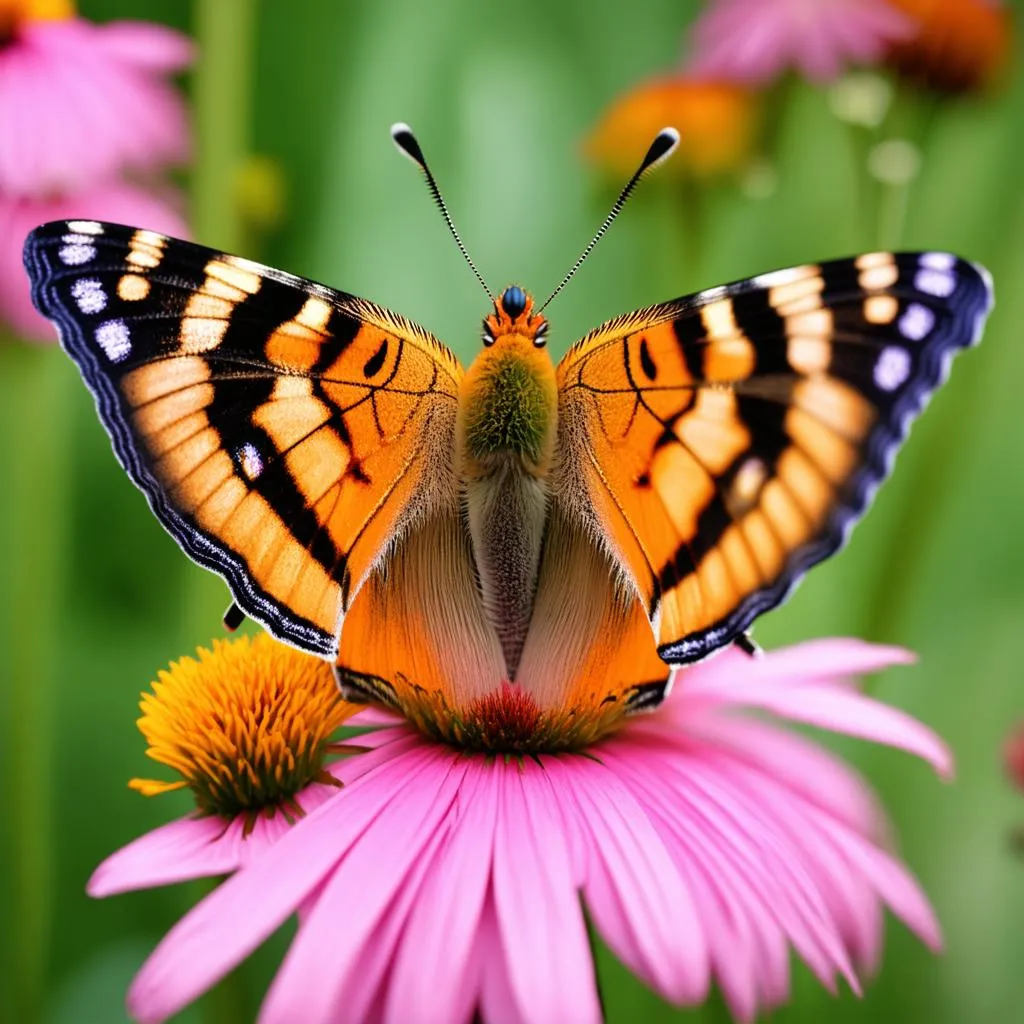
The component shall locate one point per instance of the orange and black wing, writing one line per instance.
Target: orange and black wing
(725, 442)
(280, 430)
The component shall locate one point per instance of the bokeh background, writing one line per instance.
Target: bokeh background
(291, 105)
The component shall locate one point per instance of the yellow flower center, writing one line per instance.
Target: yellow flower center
(247, 725)
(14, 13)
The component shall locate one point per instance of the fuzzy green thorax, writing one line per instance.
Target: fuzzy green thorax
(509, 408)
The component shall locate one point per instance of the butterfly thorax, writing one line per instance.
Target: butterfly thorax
(505, 440)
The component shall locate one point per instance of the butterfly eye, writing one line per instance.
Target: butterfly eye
(540, 339)
(487, 337)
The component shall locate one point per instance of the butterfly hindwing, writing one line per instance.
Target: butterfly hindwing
(283, 432)
(726, 441)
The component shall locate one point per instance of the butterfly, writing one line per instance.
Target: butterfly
(445, 535)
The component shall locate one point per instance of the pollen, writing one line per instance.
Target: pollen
(246, 725)
(509, 721)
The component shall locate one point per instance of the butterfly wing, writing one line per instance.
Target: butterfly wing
(725, 442)
(283, 432)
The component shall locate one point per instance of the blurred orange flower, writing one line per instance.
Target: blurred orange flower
(717, 123)
(960, 46)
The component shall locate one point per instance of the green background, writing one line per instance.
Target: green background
(95, 597)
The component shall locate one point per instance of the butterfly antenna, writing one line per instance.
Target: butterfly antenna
(660, 149)
(406, 142)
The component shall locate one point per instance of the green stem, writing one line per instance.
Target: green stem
(688, 199)
(909, 538)
(35, 474)
(866, 195)
(222, 89)
(911, 117)
(893, 200)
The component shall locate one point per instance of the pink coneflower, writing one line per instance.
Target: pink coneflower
(116, 201)
(82, 103)
(440, 883)
(754, 41)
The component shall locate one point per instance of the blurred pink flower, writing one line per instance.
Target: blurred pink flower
(754, 41)
(82, 103)
(116, 201)
(438, 883)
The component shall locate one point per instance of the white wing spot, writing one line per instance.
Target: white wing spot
(941, 283)
(250, 460)
(917, 322)
(77, 249)
(938, 260)
(85, 227)
(88, 293)
(892, 368)
(114, 338)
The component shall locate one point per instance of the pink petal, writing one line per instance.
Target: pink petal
(497, 999)
(734, 672)
(850, 898)
(233, 920)
(548, 957)
(808, 683)
(754, 41)
(797, 763)
(855, 715)
(121, 203)
(707, 808)
(74, 113)
(145, 45)
(364, 997)
(374, 716)
(176, 852)
(319, 973)
(195, 847)
(735, 921)
(894, 884)
(636, 897)
(431, 973)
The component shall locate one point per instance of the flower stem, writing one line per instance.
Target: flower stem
(223, 86)
(35, 472)
(223, 89)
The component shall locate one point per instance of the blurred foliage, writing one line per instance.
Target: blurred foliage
(501, 99)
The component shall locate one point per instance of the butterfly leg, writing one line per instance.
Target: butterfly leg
(233, 617)
(746, 643)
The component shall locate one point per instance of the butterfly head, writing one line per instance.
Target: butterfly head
(513, 319)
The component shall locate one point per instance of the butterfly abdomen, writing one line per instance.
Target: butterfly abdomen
(505, 436)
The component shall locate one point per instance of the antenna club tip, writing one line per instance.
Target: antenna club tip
(404, 139)
(662, 147)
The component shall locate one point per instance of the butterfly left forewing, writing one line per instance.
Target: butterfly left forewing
(283, 432)
(725, 442)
